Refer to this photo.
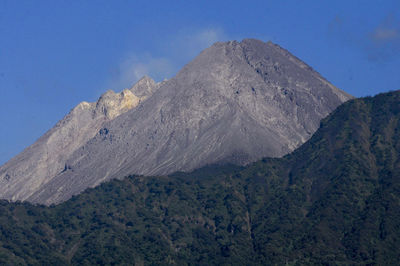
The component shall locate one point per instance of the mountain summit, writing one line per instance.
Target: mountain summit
(236, 102)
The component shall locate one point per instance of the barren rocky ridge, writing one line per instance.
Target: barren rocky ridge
(24, 174)
(236, 102)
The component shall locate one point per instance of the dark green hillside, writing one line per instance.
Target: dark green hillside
(335, 200)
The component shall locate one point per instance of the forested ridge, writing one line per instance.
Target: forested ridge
(335, 200)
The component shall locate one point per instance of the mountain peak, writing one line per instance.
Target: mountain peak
(113, 104)
(144, 87)
(247, 42)
(252, 41)
(236, 102)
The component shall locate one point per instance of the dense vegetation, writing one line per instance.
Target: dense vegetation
(335, 200)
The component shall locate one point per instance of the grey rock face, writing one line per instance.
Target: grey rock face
(236, 102)
(47, 157)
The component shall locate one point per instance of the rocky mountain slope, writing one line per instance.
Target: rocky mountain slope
(236, 102)
(37, 164)
(333, 201)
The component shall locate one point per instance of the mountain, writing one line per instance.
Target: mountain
(333, 201)
(37, 164)
(236, 102)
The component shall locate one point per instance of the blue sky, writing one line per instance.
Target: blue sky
(55, 54)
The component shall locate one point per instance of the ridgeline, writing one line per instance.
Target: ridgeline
(335, 200)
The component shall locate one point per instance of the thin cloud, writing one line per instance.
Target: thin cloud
(384, 40)
(136, 66)
(180, 50)
(387, 31)
(192, 42)
(379, 44)
(385, 35)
